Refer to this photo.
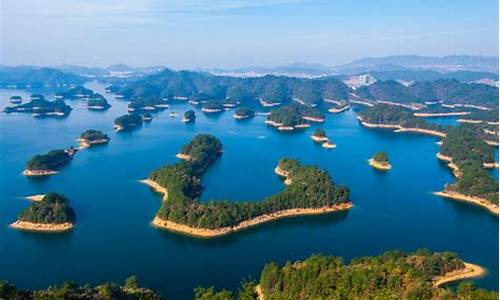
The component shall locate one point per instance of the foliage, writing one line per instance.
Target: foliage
(310, 188)
(93, 135)
(190, 115)
(381, 157)
(318, 132)
(245, 112)
(39, 105)
(292, 114)
(52, 209)
(128, 121)
(50, 161)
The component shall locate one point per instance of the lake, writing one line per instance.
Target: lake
(113, 237)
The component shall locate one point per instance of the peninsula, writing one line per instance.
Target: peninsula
(51, 214)
(309, 191)
(92, 137)
(380, 161)
(47, 164)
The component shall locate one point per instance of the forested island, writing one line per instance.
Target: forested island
(92, 137)
(47, 164)
(97, 102)
(212, 106)
(147, 117)
(392, 275)
(74, 93)
(319, 135)
(468, 155)
(130, 290)
(127, 122)
(15, 99)
(38, 106)
(293, 116)
(244, 113)
(380, 161)
(141, 105)
(309, 191)
(393, 117)
(51, 214)
(189, 116)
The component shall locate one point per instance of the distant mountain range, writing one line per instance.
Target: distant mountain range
(118, 70)
(35, 77)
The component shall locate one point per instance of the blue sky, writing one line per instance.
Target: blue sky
(232, 33)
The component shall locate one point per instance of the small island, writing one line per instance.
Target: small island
(244, 113)
(147, 117)
(380, 161)
(92, 137)
(293, 116)
(51, 214)
(127, 122)
(47, 164)
(38, 107)
(189, 116)
(319, 136)
(78, 92)
(97, 102)
(147, 105)
(309, 191)
(328, 145)
(212, 106)
(15, 99)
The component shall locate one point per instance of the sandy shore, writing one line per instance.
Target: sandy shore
(312, 119)
(187, 120)
(281, 172)
(239, 117)
(210, 233)
(211, 110)
(36, 197)
(491, 143)
(362, 103)
(28, 226)
(493, 208)
(39, 172)
(155, 186)
(334, 110)
(451, 165)
(491, 165)
(399, 128)
(412, 107)
(469, 271)
(118, 128)
(260, 294)
(449, 114)
(319, 138)
(183, 156)
(328, 145)
(84, 143)
(378, 165)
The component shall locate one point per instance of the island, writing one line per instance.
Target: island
(212, 106)
(293, 116)
(130, 290)
(74, 93)
(15, 99)
(92, 137)
(328, 145)
(399, 119)
(468, 155)
(310, 191)
(47, 164)
(189, 116)
(380, 161)
(127, 122)
(244, 113)
(51, 214)
(319, 136)
(147, 105)
(38, 106)
(147, 117)
(392, 275)
(97, 102)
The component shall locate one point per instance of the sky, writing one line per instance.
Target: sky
(189, 34)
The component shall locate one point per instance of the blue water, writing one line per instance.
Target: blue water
(113, 237)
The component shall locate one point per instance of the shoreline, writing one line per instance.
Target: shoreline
(328, 145)
(41, 227)
(84, 143)
(399, 128)
(183, 156)
(36, 198)
(470, 199)
(319, 139)
(448, 114)
(468, 272)
(240, 117)
(334, 110)
(211, 110)
(379, 166)
(212, 233)
(156, 187)
(313, 119)
(39, 172)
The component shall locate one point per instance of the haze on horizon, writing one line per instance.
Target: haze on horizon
(233, 33)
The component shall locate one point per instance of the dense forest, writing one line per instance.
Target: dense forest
(74, 93)
(293, 114)
(52, 209)
(128, 121)
(49, 161)
(445, 90)
(381, 157)
(39, 105)
(147, 105)
(392, 275)
(318, 132)
(468, 151)
(394, 115)
(215, 105)
(244, 112)
(70, 291)
(483, 115)
(310, 188)
(93, 135)
(189, 116)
